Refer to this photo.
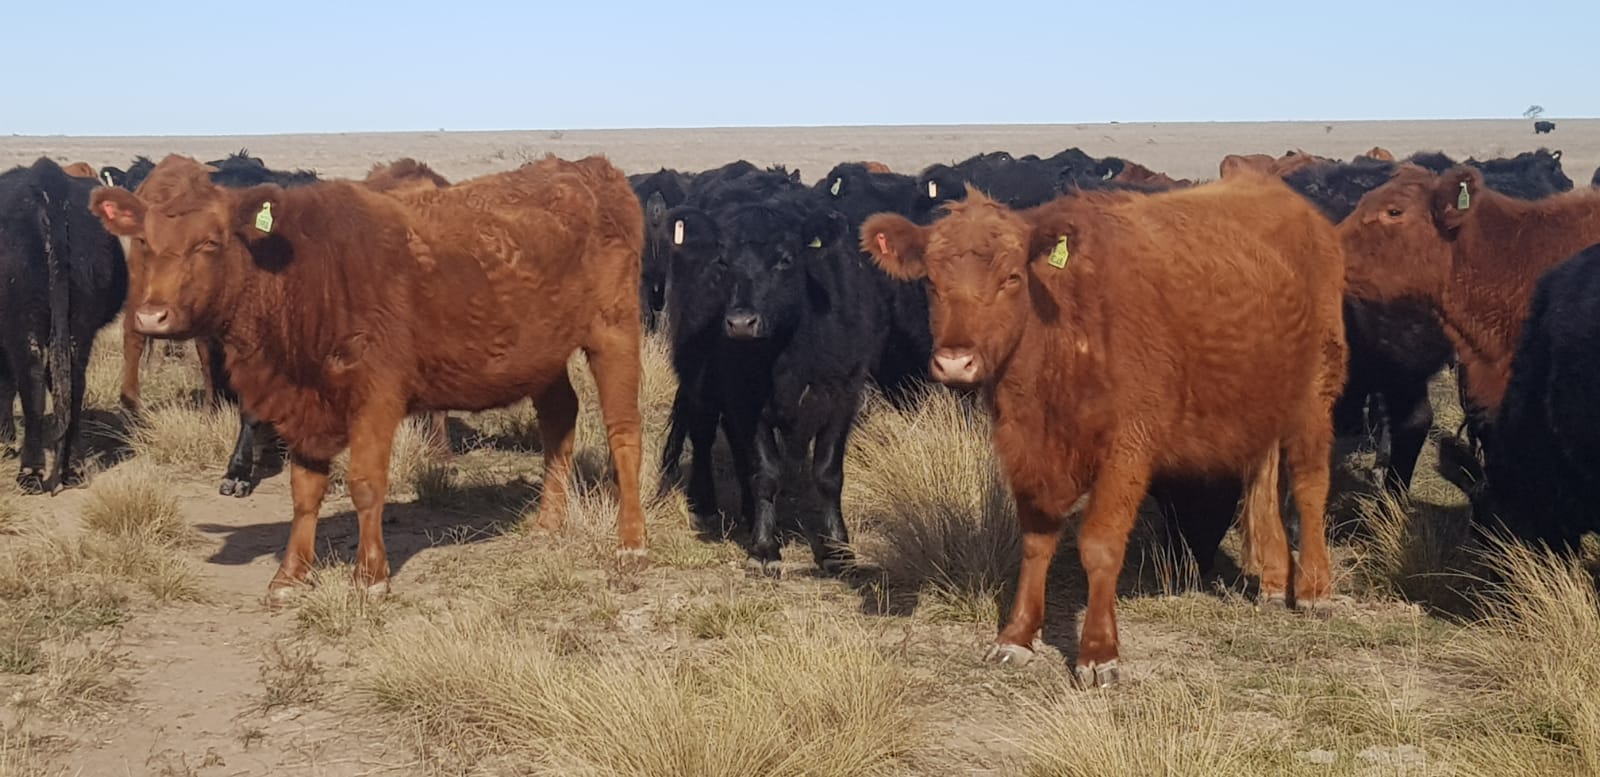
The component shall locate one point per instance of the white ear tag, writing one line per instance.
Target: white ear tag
(677, 233)
(933, 190)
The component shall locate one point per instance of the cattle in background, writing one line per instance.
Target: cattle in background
(776, 322)
(1595, 179)
(80, 170)
(657, 192)
(1397, 346)
(1543, 466)
(342, 309)
(1079, 321)
(1543, 127)
(62, 279)
(1379, 154)
(127, 179)
(1473, 254)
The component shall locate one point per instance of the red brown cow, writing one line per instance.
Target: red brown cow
(1133, 172)
(1473, 253)
(1118, 335)
(341, 310)
(876, 167)
(1379, 153)
(81, 170)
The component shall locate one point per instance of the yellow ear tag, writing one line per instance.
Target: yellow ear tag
(834, 189)
(816, 242)
(264, 218)
(1464, 199)
(1059, 255)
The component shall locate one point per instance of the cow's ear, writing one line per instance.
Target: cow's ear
(896, 244)
(120, 212)
(825, 228)
(688, 227)
(1455, 194)
(258, 213)
(655, 209)
(1052, 234)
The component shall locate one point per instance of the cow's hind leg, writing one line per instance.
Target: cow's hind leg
(308, 482)
(30, 475)
(615, 363)
(69, 413)
(1309, 450)
(1265, 549)
(558, 418)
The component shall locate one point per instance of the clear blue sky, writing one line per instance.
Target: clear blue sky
(87, 67)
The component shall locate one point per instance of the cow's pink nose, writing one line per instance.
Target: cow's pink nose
(955, 365)
(152, 321)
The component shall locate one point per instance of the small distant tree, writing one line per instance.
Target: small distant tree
(1533, 112)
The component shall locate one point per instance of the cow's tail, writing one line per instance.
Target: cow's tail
(54, 193)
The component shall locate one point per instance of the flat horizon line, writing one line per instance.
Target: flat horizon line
(768, 127)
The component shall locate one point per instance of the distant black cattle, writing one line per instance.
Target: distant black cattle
(62, 279)
(1595, 179)
(1542, 127)
(1543, 455)
(774, 329)
(1529, 175)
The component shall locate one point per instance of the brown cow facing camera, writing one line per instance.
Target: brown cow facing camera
(341, 310)
(1473, 253)
(1115, 336)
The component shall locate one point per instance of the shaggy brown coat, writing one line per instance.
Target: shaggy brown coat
(1192, 331)
(1476, 265)
(341, 310)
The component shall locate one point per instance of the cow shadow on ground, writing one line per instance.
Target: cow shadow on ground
(467, 514)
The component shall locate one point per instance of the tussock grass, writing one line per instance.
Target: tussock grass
(733, 616)
(21, 754)
(818, 701)
(75, 681)
(178, 434)
(1534, 647)
(1413, 554)
(133, 501)
(928, 503)
(11, 509)
(331, 607)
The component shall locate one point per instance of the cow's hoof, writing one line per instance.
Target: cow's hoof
(632, 559)
(31, 481)
(764, 567)
(1097, 675)
(1321, 609)
(281, 596)
(835, 566)
(1272, 602)
(236, 487)
(1007, 654)
(71, 478)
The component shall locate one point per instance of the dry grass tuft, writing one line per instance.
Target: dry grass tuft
(132, 501)
(332, 607)
(1535, 648)
(819, 700)
(178, 434)
(75, 681)
(928, 503)
(1165, 726)
(11, 509)
(21, 754)
(1413, 554)
(290, 676)
(734, 616)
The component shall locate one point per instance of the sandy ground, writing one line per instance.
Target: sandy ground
(1183, 150)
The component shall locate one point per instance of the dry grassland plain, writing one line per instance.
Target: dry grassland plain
(134, 638)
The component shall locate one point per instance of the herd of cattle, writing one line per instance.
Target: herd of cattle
(1131, 334)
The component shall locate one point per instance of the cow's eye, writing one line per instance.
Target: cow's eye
(206, 246)
(1011, 281)
(1395, 213)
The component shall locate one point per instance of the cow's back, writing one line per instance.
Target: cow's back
(1214, 303)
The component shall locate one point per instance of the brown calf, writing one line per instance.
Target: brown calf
(1133, 172)
(81, 170)
(1471, 252)
(1115, 336)
(341, 310)
(1380, 154)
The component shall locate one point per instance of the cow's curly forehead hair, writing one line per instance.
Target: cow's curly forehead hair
(1410, 181)
(177, 185)
(977, 226)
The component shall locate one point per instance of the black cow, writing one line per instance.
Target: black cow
(1529, 175)
(657, 192)
(1595, 179)
(775, 326)
(1543, 127)
(239, 171)
(62, 279)
(1542, 457)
